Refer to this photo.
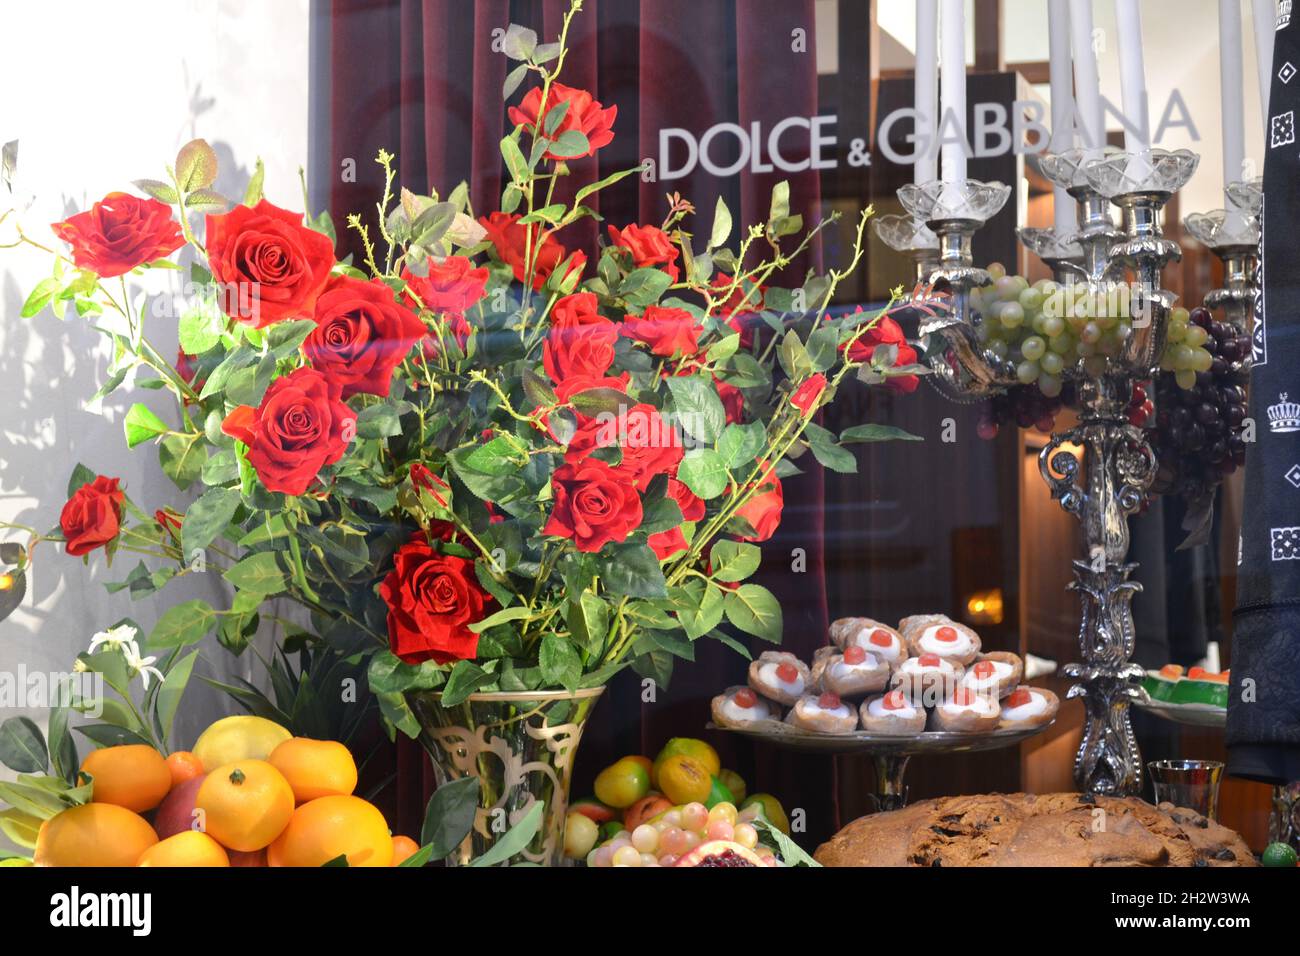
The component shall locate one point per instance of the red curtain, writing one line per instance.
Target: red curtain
(422, 80)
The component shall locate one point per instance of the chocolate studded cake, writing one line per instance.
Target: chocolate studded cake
(1022, 829)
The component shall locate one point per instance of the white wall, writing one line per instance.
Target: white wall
(109, 101)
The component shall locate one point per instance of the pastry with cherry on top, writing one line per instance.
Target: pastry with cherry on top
(1027, 707)
(926, 680)
(966, 712)
(892, 714)
(872, 636)
(823, 714)
(997, 673)
(936, 634)
(854, 673)
(780, 676)
(741, 707)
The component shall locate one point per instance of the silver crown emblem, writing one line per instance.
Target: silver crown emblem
(1284, 416)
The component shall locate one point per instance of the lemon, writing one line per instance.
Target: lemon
(242, 737)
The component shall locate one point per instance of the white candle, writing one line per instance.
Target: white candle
(1265, 26)
(1231, 97)
(1058, 35)
(952, 88)
(1087, 84)
(1132, 76)
(925, 89)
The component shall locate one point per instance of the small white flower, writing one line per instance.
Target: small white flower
(113, 638)
(140, 665)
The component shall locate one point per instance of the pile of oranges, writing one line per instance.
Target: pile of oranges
(249, 794)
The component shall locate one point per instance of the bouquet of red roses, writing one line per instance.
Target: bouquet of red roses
(478, 459)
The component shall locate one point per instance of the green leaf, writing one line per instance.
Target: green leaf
(790, 852)
(835, 458)
(753, 609)
(159, 190)
(449, 815)
(515, 840)
(866, 433)
(596, 187)
(196, 165)
(702, 470)
(698, 607)
(285, 338)
(40, 297)
(378, 421)
(723, 348)
(599, 401)
(643, 287)
(823, 347)
(721, 231)
(588, 620)
(559, 661)
(465, 678)
(513, 79)
(515, 161)
(181, 459)
(200, 329)
(63, 749)
(794, 357)
(141, 425)
(740, 444)
(734, 560)
(555, 116)
(780, 208)
(22, 747)
(570, 144)
(258, 574)
(633, 569)
(207, 518)
(206, 201)
(519, 42)
(504, 616)
(186, 623)
(172, 689)
(253, 193)
(699, 410)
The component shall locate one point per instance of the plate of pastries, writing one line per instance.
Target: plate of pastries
(928, 679)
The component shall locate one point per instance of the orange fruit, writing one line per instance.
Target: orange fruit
(183, 765)
(245, 804)
(698, 750)
(134, 776)
(93, 834)
(190, 848)
(315, 768)
(329, 827)
(685, 780)
(403, 849)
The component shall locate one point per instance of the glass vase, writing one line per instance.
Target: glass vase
(521, 745)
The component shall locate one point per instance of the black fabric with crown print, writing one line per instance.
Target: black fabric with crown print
(1263, 733)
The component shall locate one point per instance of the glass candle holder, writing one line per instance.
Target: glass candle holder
(1193, 784)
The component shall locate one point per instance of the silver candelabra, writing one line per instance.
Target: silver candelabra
(1100, 470)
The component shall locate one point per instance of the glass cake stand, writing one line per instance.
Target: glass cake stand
(889, 754)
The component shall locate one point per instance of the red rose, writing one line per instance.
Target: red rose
(361, 335)
(733, 401)
(268, 264)
(119, 233)
(300, 427)
(425, 480)
(668, 331)
(650, 445)
(513, 242)
(585, 115)
(691, 504)
(574, 384)
(594, 504)
(580, 341)
(93, 515)
(667, 543)
(432, 599)
(807, 395)
(887, 332)
(763, 511)
(169, 521)
(452, 286)
(649, 245)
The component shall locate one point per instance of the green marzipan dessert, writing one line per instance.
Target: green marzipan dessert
(1190, 691)
(1159, 687)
